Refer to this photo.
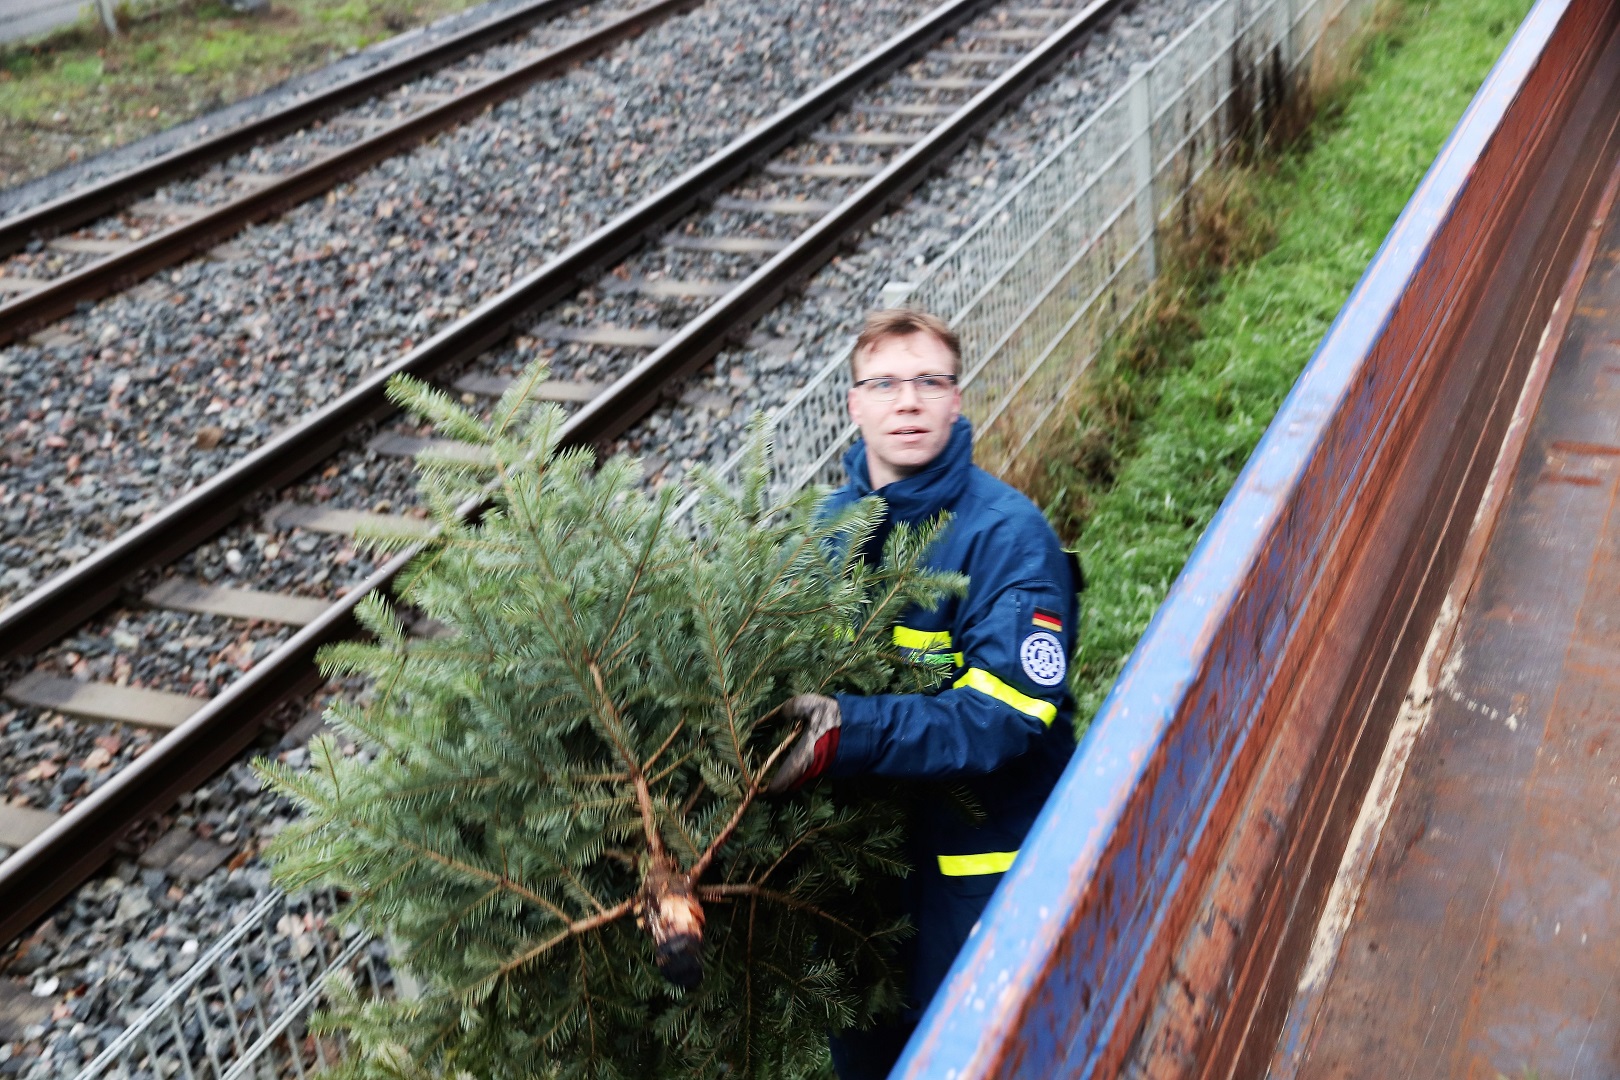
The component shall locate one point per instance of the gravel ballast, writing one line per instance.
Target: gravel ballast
(114, 411)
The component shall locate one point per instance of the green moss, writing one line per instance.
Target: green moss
(1237, 343)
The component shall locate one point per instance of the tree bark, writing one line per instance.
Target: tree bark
(673, 918)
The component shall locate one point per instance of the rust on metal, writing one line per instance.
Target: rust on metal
(1487, 940)
(1418, 707)
(1158, 919)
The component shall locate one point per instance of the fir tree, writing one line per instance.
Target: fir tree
(557, 815)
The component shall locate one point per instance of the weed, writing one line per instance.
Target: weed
(83, 72)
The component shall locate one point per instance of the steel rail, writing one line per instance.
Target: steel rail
(633, 394)
(65, 600)
(38, 875)
(62, 295)
(114, 192)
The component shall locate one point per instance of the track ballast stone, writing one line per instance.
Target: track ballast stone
(151, 391)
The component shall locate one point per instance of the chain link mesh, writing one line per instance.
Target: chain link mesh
(1037, 285)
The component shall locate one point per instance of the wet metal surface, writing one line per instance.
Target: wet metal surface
(1487, 939)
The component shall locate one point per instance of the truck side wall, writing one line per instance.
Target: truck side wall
(1157, 919)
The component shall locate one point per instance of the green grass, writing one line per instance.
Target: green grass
(1156, 438)
(78, 91)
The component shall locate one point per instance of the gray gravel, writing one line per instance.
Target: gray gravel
(122, 411)
(119, 956)
(99, 166)
(128, 934)
(708, 414)
(53, 761)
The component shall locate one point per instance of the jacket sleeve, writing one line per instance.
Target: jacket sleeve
(1007, 691)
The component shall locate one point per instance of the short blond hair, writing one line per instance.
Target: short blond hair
(903, 322)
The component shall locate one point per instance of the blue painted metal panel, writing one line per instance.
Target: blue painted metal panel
(1067, 952)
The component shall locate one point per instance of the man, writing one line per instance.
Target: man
(1001, 729)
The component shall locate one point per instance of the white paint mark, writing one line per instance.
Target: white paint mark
(1453, 665)
(1416, 710)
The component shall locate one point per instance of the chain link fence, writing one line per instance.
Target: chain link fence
(241, 1010)
(1037, 285)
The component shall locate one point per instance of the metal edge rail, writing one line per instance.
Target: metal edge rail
(61, 296)
(1177, 869)
(104, 196)
(59, 604)
(34, 878)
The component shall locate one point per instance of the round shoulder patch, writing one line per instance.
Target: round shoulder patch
(1042, 656)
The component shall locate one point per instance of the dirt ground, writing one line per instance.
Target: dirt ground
(79, 91)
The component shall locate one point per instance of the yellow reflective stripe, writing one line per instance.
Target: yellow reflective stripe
(991, 862)
(922, 640)
(986, 683)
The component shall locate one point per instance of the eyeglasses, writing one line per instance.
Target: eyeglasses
(929, 387)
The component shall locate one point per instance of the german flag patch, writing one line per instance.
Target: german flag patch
(1048, 620)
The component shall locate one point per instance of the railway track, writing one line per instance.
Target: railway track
(648, 298)
(128, 241)
(111, 193)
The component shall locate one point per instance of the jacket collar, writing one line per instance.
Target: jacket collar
(922, 495)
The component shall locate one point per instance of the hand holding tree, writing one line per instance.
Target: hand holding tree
(559, 817)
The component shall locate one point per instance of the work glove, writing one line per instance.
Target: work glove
(816, 747)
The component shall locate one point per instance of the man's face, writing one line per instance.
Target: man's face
(908, 431)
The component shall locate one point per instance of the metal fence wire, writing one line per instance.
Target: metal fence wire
(1037, 285)
(241, 1010)
(1034, 288)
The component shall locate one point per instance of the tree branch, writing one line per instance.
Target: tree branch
(580, 885)
(717, 657)
(754, 788)
(638, 781)
(691, 800)
(717, 893)
(670, 768)
(498, 880)
(653, 536)
(573, 929)
(676, 730)
(754, 608)
(683, 834)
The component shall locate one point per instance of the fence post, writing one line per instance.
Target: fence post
(1141, 121)
(1285, 36)
(109, 18)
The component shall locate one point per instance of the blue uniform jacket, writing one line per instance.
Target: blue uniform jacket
(1001, 730)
